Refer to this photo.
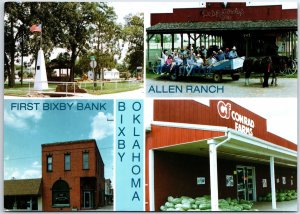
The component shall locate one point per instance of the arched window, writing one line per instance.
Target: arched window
(60, 194)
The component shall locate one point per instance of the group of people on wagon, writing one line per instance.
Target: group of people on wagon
(186, 62)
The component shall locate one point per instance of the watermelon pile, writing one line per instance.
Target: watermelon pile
(282, 195)
(203, 203)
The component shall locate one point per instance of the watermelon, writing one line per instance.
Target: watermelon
(169, 205)
(163, 208)
(170, 199)
(186, 206)
(246, 206)
(204, 206)
(176, 200)
(179, 209)
(195, 206)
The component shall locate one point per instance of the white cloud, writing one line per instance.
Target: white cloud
(23, 173)
(20, 119)
(31, 173)
(101, 127)
(10, 173)
(36, 164)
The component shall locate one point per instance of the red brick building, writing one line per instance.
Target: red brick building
(73, 176)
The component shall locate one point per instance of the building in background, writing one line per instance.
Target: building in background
(23, 195)
(73, 176)
(112, 74)
(108, 192)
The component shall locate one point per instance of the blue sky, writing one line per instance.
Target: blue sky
(26, 130)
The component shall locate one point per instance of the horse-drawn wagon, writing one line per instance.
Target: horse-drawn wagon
(216, 71)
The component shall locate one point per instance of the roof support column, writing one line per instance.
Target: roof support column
(273, 189)
(162, 42)
(181, 40)
(213, 169)
(172, 36)
(189, 39)
(151, 181)
(148, 47)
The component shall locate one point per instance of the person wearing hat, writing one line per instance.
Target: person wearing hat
(226, 53)
(220, 56)
(233, 53)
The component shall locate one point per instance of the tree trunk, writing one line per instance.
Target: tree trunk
(11, 76)
(7, 66)
(73, 60)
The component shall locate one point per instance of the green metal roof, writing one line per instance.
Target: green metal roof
(191, 27)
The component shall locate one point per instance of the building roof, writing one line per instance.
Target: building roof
(69, 142)
(182, 27)
(23, 187)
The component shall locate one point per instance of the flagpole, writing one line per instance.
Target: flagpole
(41, 40)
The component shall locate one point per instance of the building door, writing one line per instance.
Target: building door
(246, 186)
(87, 199)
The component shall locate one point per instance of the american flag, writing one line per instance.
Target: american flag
(36, 28)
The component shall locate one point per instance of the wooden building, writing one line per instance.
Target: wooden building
(189, 140)
(254, 30)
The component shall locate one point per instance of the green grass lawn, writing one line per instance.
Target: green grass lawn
(111, 88)
(23, 90)
(107, 88)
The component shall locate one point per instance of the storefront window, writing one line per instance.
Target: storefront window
(67, 162)
(85, 160)
(60, 194)
(49, 163)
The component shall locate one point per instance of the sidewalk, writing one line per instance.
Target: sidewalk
(135, 94)
(105, 208)
(284, 206)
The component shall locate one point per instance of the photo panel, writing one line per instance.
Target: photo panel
(221, 155)
(222, 49)
(58, 154)
(75, 49)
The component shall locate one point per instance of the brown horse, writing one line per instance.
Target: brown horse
(261, 65)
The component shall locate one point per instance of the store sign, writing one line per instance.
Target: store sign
(242, 123)
(223, 14)
(264, 183)
(283, 180)
(229, 181)
(200, 180)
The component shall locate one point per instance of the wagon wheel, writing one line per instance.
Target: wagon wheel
(173, 76)
(217, 77)
(292, 69)
(235, 77)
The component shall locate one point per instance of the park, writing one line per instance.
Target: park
(61, 49)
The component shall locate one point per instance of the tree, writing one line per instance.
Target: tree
(104, 60)
(133, 33)
(18, 39)
(75, 26)
(14, 29)
(106, 38)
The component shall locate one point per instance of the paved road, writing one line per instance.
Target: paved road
(193, 87)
